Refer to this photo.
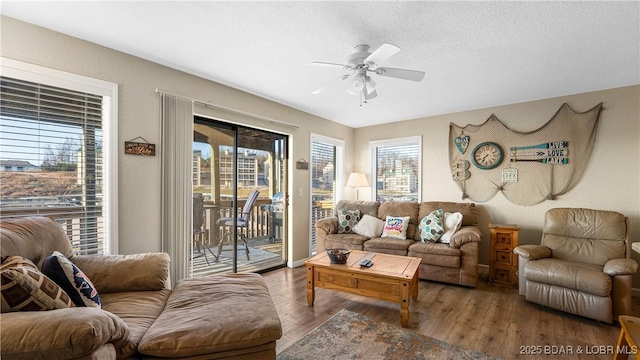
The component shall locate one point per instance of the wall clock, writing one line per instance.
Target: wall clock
(487, 155)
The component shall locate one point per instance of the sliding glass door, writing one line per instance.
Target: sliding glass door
(239, 182)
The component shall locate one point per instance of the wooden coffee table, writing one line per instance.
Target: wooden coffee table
(392, 278)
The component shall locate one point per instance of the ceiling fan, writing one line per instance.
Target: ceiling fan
(362, 62)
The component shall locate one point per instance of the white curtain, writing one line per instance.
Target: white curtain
(176, 202)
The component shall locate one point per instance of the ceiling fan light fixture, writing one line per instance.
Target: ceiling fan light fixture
(358, 82)
(370, 84)
(352, 91)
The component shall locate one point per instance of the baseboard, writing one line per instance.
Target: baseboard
(296, 263)
(483, 271)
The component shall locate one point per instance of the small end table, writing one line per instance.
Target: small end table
(503, 263)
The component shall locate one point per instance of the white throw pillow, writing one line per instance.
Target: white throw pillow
(396, 227)
(369, 226)
(452, 223)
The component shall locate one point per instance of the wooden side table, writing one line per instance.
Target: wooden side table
(503, 263)
(629, 333)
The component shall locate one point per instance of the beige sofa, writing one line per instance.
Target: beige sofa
(582, 266)
(455, 263)
(219, 316)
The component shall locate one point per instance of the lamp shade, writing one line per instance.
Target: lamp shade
(357, 180)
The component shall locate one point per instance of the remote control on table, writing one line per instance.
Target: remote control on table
(366, 261)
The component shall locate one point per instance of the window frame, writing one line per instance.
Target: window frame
(374, 145)
(62, 79)
(339, 181)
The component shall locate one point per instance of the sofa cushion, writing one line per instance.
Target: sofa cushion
(59, 334)
(436, 254)
(431, 227)
(369, 226)
(388, 245)
(24, 288)
(396, 227)
(468, 210)
(365, 207)
(33, 237)
(347, 219)
(586, 278)
(74, 282)
(138, 309)
(134, 272)
(452, 223)
(238, 314)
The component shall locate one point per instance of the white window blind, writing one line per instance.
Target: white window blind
(396, 169)
(51, 155)
(327, 179)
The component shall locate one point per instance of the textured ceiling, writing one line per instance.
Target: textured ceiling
(475, 54)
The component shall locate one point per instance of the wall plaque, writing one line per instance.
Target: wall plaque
(139, 148)
(302, 164)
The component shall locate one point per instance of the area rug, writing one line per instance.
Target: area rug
(348, 335)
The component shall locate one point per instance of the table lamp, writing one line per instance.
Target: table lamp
(357, 180)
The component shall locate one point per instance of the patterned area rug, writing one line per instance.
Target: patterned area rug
(348, 335)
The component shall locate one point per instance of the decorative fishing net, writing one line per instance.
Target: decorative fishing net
(538, 165)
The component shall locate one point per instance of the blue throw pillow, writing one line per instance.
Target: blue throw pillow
(71, 279)
(431, 226)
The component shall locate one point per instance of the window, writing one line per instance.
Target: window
(57, 131)
(327, 179)
(396, 169)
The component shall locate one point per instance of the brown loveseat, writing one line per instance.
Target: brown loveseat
(456, 262)
(219, 316)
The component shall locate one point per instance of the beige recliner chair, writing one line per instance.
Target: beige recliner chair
(582, 266)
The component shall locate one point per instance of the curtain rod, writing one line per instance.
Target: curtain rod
(231, 110)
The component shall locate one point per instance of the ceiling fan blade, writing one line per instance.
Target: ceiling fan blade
(371, 95)
(326, 64)
(404, 74)
(325, 86)
(382, 53)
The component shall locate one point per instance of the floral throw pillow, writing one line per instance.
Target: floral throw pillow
(347, 219)
(396, 227)
(431, 227)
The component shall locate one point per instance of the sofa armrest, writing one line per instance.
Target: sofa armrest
(464, 235)
(532, 252)
(620, 267)
(324, 227)
(59, 334)
(118, 273)
(329, 225)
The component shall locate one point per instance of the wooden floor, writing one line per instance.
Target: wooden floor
(490, 319)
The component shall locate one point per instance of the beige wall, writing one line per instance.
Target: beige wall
(610, 182)
(139, 115)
